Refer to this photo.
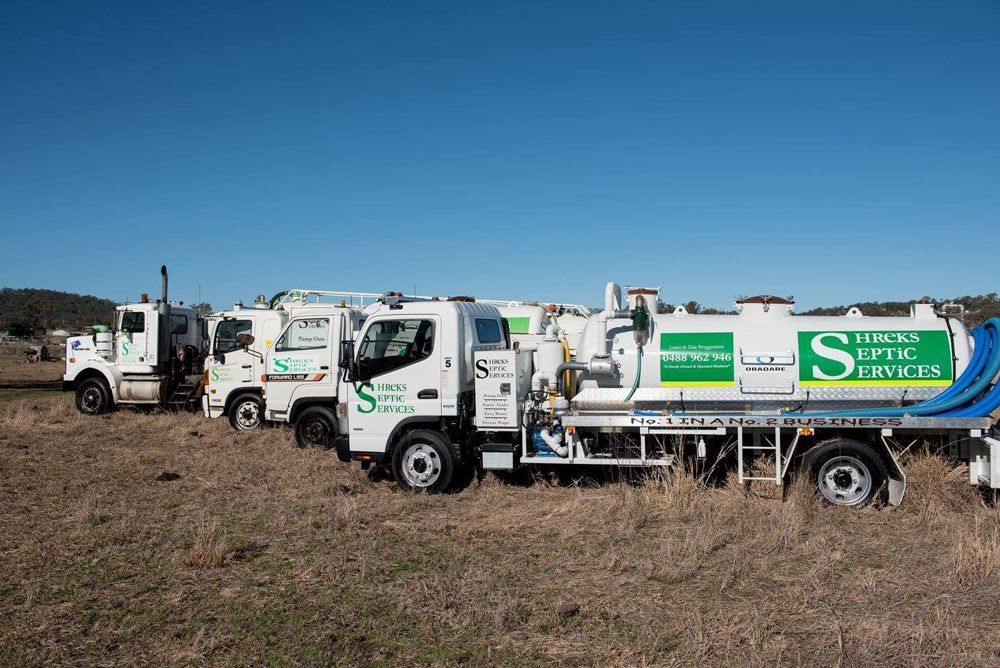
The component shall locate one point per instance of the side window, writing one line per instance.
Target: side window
(305, 334)
(226, 333)
(178, 324)
(133, 321)
(488, 331)
(393, 344)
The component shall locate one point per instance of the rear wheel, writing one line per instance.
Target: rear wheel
(847, 473)
(246, 413)
(93, 397)
(422, 461)
(316, 427)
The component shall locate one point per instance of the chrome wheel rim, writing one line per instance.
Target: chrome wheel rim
(421, 465)
(845, 481)
(248, 415)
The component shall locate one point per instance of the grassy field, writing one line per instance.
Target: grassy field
(160, 538)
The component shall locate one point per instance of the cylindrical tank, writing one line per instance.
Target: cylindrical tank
(103, 344)
(764, 358)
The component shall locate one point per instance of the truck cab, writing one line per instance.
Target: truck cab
(301, 377)
(409, 386)
(240, 340)
(152, 356)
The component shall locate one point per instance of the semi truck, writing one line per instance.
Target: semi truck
(152, 357)
(433, 388)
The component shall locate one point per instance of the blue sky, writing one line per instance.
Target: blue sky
(835, 151)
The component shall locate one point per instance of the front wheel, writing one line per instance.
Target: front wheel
(847, 473)
(246, 413)
(93, 397)
(423, 462)
(316, 427)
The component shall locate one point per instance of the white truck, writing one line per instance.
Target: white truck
(152, 356)
(436, 387)
(240, 338)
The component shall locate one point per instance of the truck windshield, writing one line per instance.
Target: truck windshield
(226, 334)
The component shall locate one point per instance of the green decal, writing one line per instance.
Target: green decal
(280, 364)
(125, 349)
(215, 375)
(294, 365)
(368, 399)
(697, 358)
(519, 324)
(384, 398)
(875, 358)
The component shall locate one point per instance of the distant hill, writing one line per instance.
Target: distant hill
(25, 310)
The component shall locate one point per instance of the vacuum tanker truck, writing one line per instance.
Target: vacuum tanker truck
(436, 387)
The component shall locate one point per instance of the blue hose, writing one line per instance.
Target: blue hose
(975, 367)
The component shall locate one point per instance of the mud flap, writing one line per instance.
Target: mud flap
(897, 478)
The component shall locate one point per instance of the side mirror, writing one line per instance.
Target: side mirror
(244, 341)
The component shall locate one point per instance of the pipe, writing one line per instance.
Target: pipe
(554, 442)
(163, 311)
(542, 379)
(638, 373)
(612, 305)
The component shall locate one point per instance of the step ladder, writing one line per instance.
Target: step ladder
(747, 454)
(185, 391)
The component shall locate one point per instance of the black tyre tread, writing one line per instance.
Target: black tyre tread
(105, 391)
(441, 444)
(815, 458)
(235, 404)
(312, 413)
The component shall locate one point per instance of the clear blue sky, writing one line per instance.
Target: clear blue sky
(835, 151)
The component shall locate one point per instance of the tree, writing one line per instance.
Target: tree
(203, 308)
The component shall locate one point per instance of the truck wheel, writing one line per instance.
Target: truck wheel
(422, 462)
(93, 397)
(246, 413)
(847, 473)
(316, 427)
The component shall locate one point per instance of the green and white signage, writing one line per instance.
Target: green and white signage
(697, 358)
(858, 358)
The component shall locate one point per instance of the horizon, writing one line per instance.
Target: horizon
(835, 152)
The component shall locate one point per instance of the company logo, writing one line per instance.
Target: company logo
(383, 398)
(125, 349)
(294, 365)
(215, 374)
(875, 358)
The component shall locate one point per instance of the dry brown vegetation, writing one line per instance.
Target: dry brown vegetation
(14, 367)
(160, 538)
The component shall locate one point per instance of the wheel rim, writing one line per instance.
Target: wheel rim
(315, 433)
(421, 465)
(91, 400)
(845, 481)
(248, 415)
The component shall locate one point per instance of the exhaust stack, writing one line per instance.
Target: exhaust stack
(163, 309)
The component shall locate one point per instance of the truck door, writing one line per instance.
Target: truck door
(229, 367)
(400, 360)
(300, 363)
(131, 339)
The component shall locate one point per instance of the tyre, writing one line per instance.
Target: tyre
(422, 461)
(847, 473)
(246, 413)
(93, 397)
(316, 427)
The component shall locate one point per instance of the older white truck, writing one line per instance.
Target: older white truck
(152, 356)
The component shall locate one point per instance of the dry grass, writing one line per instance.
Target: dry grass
(153, 538)
(15, 369)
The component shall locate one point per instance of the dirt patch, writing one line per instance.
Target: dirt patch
(264, 553)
